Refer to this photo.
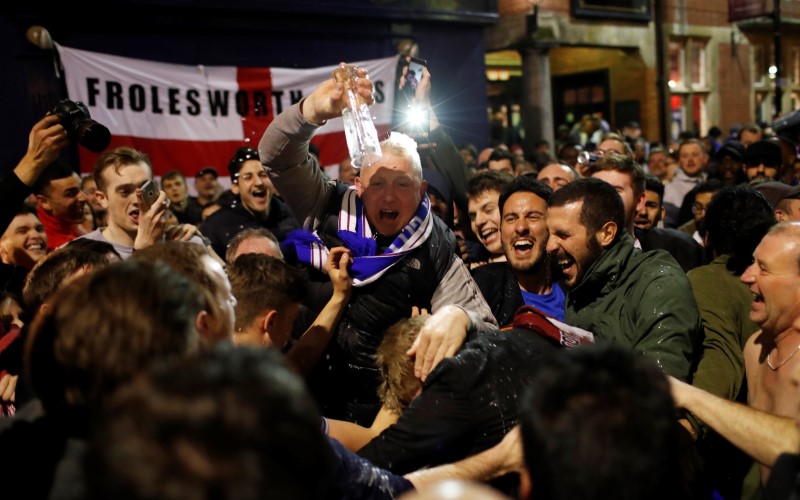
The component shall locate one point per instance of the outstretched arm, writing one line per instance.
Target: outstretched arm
(503, 458)
(283, 150)
(761, 435)
(458, 306)
(354, 436)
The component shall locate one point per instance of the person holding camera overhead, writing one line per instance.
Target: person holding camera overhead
(45, 142)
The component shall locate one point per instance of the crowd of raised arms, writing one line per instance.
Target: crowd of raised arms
(600, 318)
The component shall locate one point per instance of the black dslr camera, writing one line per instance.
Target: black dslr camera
(80, 127)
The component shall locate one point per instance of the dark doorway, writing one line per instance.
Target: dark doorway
(580, 94)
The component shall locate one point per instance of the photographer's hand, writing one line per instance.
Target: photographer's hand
(46, 140)
(327, 100)
(152, 220)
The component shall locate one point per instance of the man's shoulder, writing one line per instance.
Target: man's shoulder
(686, 251)
(224, 216)
(96, 235)
(713, 269)
(490, 271)
(657, 262)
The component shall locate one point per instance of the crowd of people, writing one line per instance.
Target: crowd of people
(615, 322)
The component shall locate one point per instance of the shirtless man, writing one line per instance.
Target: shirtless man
(765, 427)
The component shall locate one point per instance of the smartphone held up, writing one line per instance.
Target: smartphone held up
(150, 192)
(413, 117)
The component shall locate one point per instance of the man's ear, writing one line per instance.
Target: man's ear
(359, 186)
(267, 322)
(101, 198)
(780, 215)
(661, 213)
(235, 187)
(204, 324)
(605, 236)
(640, 203)
(423, 188)
(3, 252)
(44, 203)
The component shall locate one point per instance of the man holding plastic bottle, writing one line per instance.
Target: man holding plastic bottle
(403, 256)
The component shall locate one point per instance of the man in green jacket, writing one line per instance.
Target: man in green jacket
(641, 300)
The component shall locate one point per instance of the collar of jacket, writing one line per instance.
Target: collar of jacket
(605, 272)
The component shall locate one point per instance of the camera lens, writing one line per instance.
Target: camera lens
(93, 136)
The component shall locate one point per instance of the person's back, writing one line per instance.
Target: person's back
(683, 248)
(467, 404)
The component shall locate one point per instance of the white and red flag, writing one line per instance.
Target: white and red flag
(189, 117)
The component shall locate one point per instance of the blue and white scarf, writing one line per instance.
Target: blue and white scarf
(357, 236)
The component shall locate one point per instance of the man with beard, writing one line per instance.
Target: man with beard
(525, 278)
(700, 198)
(640, 300)
(762, 161)
(255, 204)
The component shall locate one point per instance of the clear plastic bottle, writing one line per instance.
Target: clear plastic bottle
(362, 137)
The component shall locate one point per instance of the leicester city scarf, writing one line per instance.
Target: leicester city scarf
(357, 236)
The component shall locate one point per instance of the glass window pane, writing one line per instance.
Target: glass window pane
(698, 63)
(759, 64)
(676, 63)
(699, 114)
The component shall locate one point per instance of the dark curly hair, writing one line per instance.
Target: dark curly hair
(736, 219)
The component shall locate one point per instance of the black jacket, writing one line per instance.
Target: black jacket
(346, 380)
(683, 248)
(226, 222)
(468, 403)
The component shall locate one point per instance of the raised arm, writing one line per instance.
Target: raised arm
(283, 149)
(45, 141)
(305, 353)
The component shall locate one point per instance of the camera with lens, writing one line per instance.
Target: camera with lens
(74, 117)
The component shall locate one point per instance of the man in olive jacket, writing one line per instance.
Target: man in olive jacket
(641, 300)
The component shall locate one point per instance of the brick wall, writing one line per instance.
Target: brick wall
(733, 82)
